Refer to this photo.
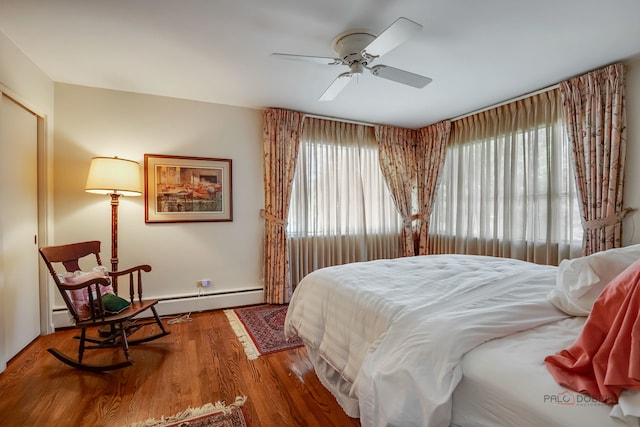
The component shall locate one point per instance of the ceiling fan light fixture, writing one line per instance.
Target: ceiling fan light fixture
(357, 68)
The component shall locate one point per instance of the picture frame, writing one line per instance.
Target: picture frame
(187, 189)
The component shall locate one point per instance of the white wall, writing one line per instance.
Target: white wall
(23, 80)
(98, 122)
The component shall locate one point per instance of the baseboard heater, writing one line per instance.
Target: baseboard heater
(181, 304)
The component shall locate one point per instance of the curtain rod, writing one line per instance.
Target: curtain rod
(336, 119)
(508, 101)
(499, 104)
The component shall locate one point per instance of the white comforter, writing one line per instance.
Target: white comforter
(394, 331)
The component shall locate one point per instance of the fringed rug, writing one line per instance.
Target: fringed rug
(260, 329)
(210, 415)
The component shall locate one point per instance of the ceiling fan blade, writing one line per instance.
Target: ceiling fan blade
(400, 76)
(336, 87)
(302, 58)
(396, 34)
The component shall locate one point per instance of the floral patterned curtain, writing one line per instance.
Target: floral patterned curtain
(431, 149)
(411, 161)
(594, 106)
(396, 151)
(281, 133)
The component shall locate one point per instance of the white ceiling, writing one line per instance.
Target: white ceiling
(478, 52)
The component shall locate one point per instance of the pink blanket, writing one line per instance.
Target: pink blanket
(605, 359)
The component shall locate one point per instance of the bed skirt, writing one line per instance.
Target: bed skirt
(334, 382)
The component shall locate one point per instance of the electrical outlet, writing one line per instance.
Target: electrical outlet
(204, 283)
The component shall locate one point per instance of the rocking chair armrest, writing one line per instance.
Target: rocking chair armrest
(89, 305)
(143, 267)
(135, 280)
(104, 281)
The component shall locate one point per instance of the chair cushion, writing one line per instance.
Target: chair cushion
(114, 304)
(80, 297)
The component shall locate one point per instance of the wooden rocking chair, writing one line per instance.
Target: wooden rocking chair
(84, 295)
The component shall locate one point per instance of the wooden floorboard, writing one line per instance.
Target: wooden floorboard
(201, 361)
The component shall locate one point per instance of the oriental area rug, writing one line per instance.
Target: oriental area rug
(210, 415)
(260, 329)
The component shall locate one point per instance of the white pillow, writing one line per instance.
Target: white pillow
(580, 281)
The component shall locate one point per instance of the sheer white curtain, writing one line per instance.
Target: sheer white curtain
(507, 188)
(341, 210)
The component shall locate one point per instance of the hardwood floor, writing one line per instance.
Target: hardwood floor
(200, 362)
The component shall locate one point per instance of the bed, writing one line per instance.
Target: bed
(422, 341)
(506, 383)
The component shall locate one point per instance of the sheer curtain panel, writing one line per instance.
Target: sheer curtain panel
(341, 210)
(507, 188)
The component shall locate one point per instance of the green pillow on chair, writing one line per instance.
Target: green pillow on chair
(113, 304)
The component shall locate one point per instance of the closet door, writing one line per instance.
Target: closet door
(20, 296)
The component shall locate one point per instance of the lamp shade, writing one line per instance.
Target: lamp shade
(108, 175)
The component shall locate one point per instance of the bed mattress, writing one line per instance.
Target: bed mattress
(506, 383)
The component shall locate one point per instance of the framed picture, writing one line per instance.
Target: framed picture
(187, 189)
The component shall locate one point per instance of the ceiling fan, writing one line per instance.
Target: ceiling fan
(358, 49)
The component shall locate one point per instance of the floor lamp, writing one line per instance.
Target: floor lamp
(116, 177)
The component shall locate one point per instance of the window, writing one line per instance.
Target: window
(507, 186)
(341, 210)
